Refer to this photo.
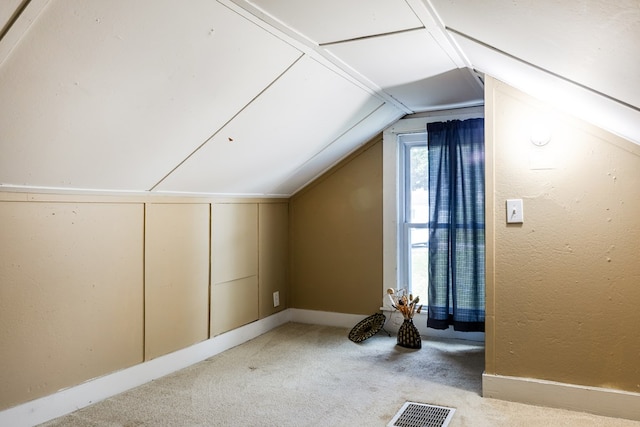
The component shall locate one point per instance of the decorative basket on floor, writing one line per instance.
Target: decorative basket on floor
(408, 335)
(367, 327)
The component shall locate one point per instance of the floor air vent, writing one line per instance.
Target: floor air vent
(420, 415)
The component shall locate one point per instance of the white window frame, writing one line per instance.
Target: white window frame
(391, 185)
(404, 226)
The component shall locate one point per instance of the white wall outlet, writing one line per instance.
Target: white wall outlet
(515, 214)
(276, 298)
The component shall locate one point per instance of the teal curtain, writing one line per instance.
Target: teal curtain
(456, 225)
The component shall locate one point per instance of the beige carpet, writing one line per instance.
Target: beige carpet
(304, 375)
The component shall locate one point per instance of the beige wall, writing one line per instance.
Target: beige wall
(234, 266)
(71, 294)
(563, 287)
(273, 273)
(336, 237)
(176, 290)
(93, 284)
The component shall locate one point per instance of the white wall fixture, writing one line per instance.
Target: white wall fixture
(540, 136)
(515, 214)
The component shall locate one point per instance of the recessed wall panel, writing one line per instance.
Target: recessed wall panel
(234, 265)
(71, 294)
(233, 304)
(176, 277)
(234, 241)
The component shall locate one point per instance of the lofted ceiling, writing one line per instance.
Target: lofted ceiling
(259, 97)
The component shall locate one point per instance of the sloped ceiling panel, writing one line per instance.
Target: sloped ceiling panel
(260, 96)
(393, 47)
(357, 136)
(405, 65)
(578, 56)
(579, 101)
(330, 21)
(114, 94)
(453, 89)
(591, 42)
(400, 58)
(299, 115)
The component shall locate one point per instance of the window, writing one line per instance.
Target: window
(405, 200)
(413, 212)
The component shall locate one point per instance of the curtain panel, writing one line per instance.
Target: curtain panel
(456, 294)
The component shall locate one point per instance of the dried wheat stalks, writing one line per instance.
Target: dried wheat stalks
(407, 306)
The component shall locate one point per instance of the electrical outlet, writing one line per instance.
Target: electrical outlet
(276, 298)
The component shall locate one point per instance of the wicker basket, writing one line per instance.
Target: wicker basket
(408, 335)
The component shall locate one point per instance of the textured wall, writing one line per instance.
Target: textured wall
(562, 288)
(336, 237)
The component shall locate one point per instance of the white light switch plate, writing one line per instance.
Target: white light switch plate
(515, 214)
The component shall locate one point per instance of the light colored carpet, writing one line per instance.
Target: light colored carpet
(304, 375)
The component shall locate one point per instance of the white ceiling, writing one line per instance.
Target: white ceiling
(239, 97)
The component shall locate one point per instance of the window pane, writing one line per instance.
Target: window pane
(418, 185)
(414, 214)
(418, 262)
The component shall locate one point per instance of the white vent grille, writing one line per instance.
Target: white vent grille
(421, 415)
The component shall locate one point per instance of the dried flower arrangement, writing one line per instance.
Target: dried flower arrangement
(406, 306)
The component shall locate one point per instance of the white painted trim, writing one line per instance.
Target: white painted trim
(394, 320)
(594, 400)
(325, 318)
(71, 399)
(16, 188)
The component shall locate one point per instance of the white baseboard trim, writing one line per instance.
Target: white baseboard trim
(594, 400)
(325, 318)
(394, 320)
(71, 399)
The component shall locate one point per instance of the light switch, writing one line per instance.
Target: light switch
(515, 213)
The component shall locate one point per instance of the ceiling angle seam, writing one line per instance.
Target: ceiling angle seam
(372, 36)
(433, 23)
(544, 70)
(227, 122)
(14, 18)
(25, 14)
(303, 44)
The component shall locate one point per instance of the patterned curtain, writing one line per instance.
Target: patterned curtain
(456, 225)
